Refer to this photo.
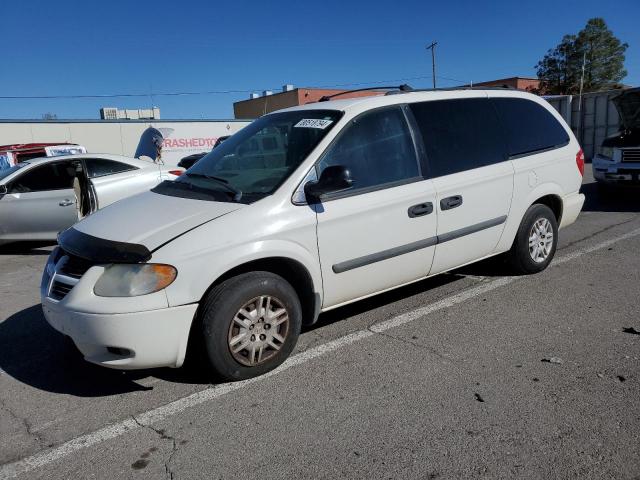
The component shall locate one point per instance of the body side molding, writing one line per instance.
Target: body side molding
(412, 247)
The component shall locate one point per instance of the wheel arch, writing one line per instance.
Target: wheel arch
(549, 194)
(554, 202)
(292, 271)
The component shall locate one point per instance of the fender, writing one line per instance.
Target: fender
(201, 271)
(519, 208)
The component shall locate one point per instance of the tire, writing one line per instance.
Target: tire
(520, 256)
(235, 312)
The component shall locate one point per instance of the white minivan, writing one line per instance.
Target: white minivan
(307, 209)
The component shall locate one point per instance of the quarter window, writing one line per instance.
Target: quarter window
(459, 135)
(99, 167)
(377, 148)
(529, 126)
(52, 176)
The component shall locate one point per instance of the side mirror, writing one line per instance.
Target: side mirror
(332, 179)
(4, 190)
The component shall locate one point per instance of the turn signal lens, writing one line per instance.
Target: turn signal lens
(132, 280)
(580, 161)
(177, 173)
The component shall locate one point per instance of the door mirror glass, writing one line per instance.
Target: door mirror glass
(3, 190)
(334, 178)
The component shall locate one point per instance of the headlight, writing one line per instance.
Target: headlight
(131, 280)
(607, 152)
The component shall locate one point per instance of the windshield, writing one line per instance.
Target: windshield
(4, 173)
(254, 162)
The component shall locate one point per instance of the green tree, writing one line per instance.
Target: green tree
(561, 68)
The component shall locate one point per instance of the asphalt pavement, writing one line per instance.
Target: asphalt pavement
(470, 374)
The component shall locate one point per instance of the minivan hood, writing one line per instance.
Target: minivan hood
(628, 105)
(151, 219)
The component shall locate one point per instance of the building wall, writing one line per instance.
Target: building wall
(256, 107)
(182, 138)
(593, 121)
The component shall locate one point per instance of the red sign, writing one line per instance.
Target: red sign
(193, 142)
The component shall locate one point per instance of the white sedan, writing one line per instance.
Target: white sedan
(43, 196)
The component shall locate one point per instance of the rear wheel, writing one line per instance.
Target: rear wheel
(250, 324)
(536, 241)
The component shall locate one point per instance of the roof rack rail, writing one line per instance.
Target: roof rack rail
(400, 88)
(466, 87)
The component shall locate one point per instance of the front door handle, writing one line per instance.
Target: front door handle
(420, 209)
(66, 203)
(451, 202)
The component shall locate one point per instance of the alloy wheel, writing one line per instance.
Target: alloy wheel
(540, 240)
(258, 330)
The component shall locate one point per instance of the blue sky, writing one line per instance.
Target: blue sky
(70, 47)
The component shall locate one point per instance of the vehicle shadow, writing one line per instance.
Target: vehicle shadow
(37, 355)
(614, 198)
(27, 248)
(381, 300)
(491, 267)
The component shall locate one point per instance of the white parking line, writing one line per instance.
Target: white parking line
(11, 470)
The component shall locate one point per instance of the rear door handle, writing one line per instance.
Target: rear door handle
(451, 202)
(66, 203)
(420, 209)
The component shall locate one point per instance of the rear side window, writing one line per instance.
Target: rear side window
(460, 134)
(52, 176)
(377, 148)
(99, 167)
(529, 126)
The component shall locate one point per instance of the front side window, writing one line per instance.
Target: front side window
(459, 135)
(99, 167)
(254, 162)
(529, 126)
(376, 148)
(51, 176)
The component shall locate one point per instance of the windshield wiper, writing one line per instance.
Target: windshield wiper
(237, 194)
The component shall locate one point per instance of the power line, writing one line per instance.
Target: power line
(206, 92)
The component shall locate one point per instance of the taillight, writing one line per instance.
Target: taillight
(580, 161)
(177, 173)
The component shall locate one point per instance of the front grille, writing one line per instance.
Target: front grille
(69, 270)
(59, 290)
(631, 155)
(73, 266)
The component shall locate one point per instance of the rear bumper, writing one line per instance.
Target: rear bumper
(571, 207)
(147, 339)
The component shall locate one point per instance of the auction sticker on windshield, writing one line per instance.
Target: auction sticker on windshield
(313, 123)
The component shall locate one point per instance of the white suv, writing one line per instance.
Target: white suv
(305, 210)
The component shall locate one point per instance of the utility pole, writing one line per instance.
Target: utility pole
(432, 47)
(579, 126)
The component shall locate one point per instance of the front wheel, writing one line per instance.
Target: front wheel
(536, 241)
(250, 324)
